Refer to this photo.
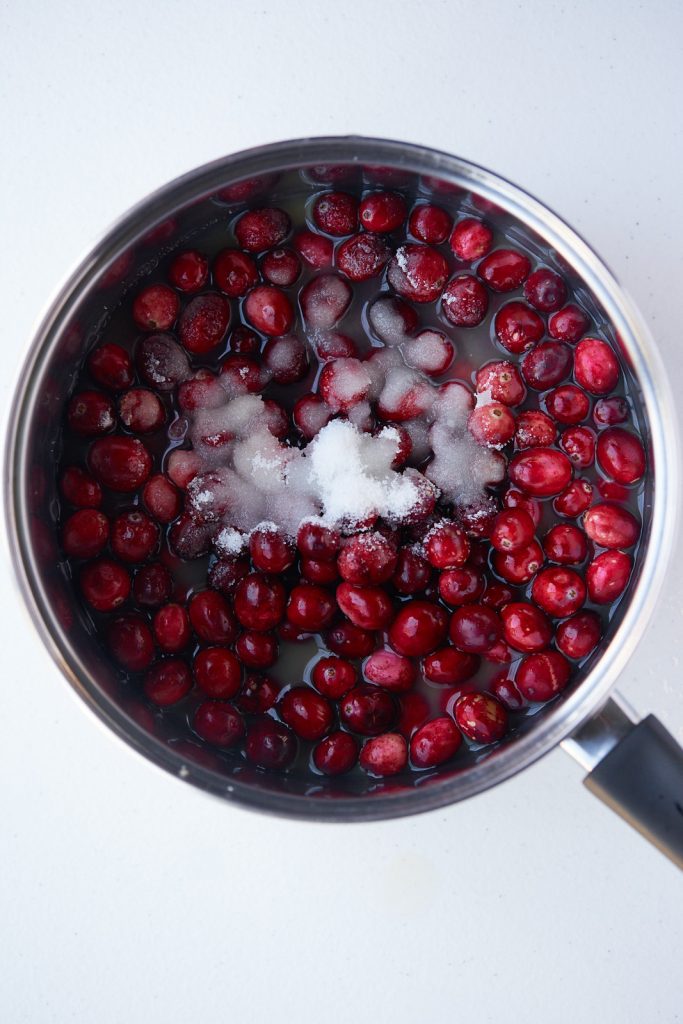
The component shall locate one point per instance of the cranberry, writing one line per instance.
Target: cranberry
(607, 576)
(130, 642)
(504, 270)
(610, 526)
(418, 272)
(310, 415)
(525, 627)
(336, 213)
(414, 711)
(382, 212)
(309, 607)
(449, 667)
(430, 224)
(419, 628)
(568, 404)
(333, 677)
(161, 498)
(141, 411)
(534, 429)
(461, 586)
(281, 267)
(412, 573)
(545, 290)
(189, 271)
(541, 472)
(120, 463)
(134, 536)
(171, 627)
(211, 618)
(203, 323)
(314, 540)
(362, 256)
(579, 445)
(105, 584)
(384, 755)
(464, 301)
(259, 602)
(481, 717)
(513, 529)
(367, 607)
(80, 489)
(85, 533)
(507, 693)
(515, 499)
(162, 362)
(167, 682)
(244, 373)
(565, 544)
(336, 754)
(611, 491)
(218, 672)
(435, 742)
(333, 345)
(286, 359)
(90, 413)
(323, 573)
(578, 636)
(234, 272)
(607, 412)
(270, 551)
(520, 565)
(502, 381)
(344, 383)
(470, 240)
(595, 366)
(270, 744)
(244, 341)
(155, 308)
(153, 585)
(474, 628)
(517, 327)
(546, 365)
(568, 324)
(390, 670)
(258, 695)
(256, 650)
(306, 712)
(559, 591)
(575, 499)
(367, 710)
(111, 366)
(541, 677)
(269, 310)
(491, 425)
(476, 518)
(258, 230)
(225, 574)
(620, 455)
(316, 250)
(367, 558)
(392, 320)
(446, 546)
(218, 723)
(496, 595)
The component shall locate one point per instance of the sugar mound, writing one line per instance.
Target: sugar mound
(461, 468)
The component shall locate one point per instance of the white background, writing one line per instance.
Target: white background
(129, 897)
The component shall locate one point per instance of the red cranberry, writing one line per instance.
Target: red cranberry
(430, 224)
(270, 551)
(281, 267)
(540, 472)
(526, 628)
(120, 463)
(418, 272)
(518, 566)
(481, 717)
(367, 607)
(568, 324)
(461, 586)
(306, 712)
(464, 301)
(162, 362)
(414, 711)
(419, 628)
(595, 366)
(171, 628)
(534, 429)
(607, 576)
(244, 341)
(384, 755)
(568, 404)
(350, 641)
(470, 240)
(310, 607)
(610, 526)
(513, 529)
(189, 539)
(559, 591)
(362, 256)
(474, 628)
(310, 415)
(134, 536)
(105, 584)
(545, 290)
(211, 618)
(85, 533)
(500, 653)
(156, 308)
(258, 230)
(167, 682)
(390, 670)
(314, 540)
(367, 710)
(435, 742)
(504, 270)
(565, 544)
(496, 595)
(130, 642)
(189, 271)
(607, 412)
(502, 381)
(412, 573)
(450, 667)
(315, 571)
(507, 693)
(153, 585)
(141, 411)
(111, 366)
(333, 677)
(79, 488)
(575, 499)
(256, 650)
(336, 754)
(579, 636)
(515, 499)
(367, 558)
(579, 445)
(620, 455)
(203, 323)
(446, 546)
(258, 695)
(269, 310)
(316, 250)
(218, 723)
(336, 213)
(517, 327)
(286, 359)
(270, 744)
(546, 365)
(161, 498)
(491, 425)
(541, 677)
(259, 602)
(382, 212)
(234, 272)
(611, 491)
(90, 413)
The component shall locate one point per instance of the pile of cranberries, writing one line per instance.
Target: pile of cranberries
(421, 639)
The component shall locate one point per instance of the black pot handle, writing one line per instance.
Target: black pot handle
(637, 770)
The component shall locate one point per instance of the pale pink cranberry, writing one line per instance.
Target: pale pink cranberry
(525, 627)
(565, 544)
(579, 636)
(182, 467)
(568, 404)
(384, 755)
(134, 536)
(504, 270)
(270, 744)
(390, 670)
(218, 723)
(607, 576)
(244, 341)
(546, 365)
(414, 711)
(167, 682)
(270, 551)
(256, 650)
(310, 607)
(579, 445)
(79, 488)
(515, 499)
(497, 595)
(269, 310)
(336, 754)
(502, 380)
(130, 641)
(518, 327)
(259, 602)
(349, 641)
(464, 301)
(258, 230)
(470, 239)
(513, 529)
(367, 558)
(461, 586)
(336, 213)
(446, 546)
(533, 429)
(392, 320)
(85, 533)
(382, 212)
(333, 677)
(429, 223)
(518, 566)
(362, 256)
(568, 324)
(574, 499)
(367, 607)
(211, 618)
(286, 359)
(608, 412)
(234, 272)
(90, 413)
(244, 373)
(281, 267)
(333, 345)
(171, 627)
(481, 717)
(258, 695)
(162, 363)
(161, 498)
(189, 271)
(435, 742)
(344, 383)
(595, 366)
(306, 712)
(155, 308)
(545, 290)
(316, 250)
(474, 628)
(153, 585)
(559, 591)
(620, 455)
(200, 392)
(368, 710)
(120, 463)
(540, 472)
(217, 672)
(111, 366)
(507, 693)
(315, 540)
(540, 677)
(611, 526)
(204, 322)
(141, 411)
(418, 272)
(418, 629)
(324, 301)
(448, 666)
(412, 572)
(491, 425)
(404, 399)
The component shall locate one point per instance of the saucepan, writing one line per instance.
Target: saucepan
(633, 765)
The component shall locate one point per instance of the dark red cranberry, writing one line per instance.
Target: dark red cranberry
(189, 271)
(270, 551)
(244, 373)
(607, 576)
(367, 558)
(496, 595)
(513, 529)
(418, 272)
(418, 629)
(79, 488)
(499, 653)
(259, 602)
(470, 240)
(575, 499)
(350, 641)
(324, 573)
(333, 677)
(481, 717)
(611, 526)
(507, 693)
(203, 323)
(474, 628)
(281, 267)
(545, 290)
(448, 666)
(412, 573)
(461, 586)
(211, 618)
(167, 682)
(134, 536)
(130, 642)
(244, 341)
(333, 345)
(390, 670)
(414, 711)
(90, 413)
(218, 723)
(141, 411)
(270, 744)
(504, 270)
(446, 546)
(429, 223)
(258, 230)
(541, 472)
(161, 498)
(153, 585)
(120, 463)
(269, 310)
(367, 607)
(258, 695)
(546, 365)
(105, 584)
(607, 412)
(171, 627)
(568, 324)
(541, 677)
(565, 544)
(568, 404)
(368, 710)
(234, 273)
(85, 533)
(525, 627)
(315, 540)
(464, 301)
(620, 455)
(579, 636)
(225, 574)
(336, 754)
(306, 712)
(162, 362)
(559, 591)
(286, 359)
(435, 742)
(384, 755)
(111, 366)
(315, 250)
(517, 327)
(336, 213)
(256, 650)
(310, 607)
(502, 381)
(156, 308)
(533, 429)
(362, 256)
(596, 367)
(382, 212)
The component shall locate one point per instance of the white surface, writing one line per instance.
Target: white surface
(128, 897)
